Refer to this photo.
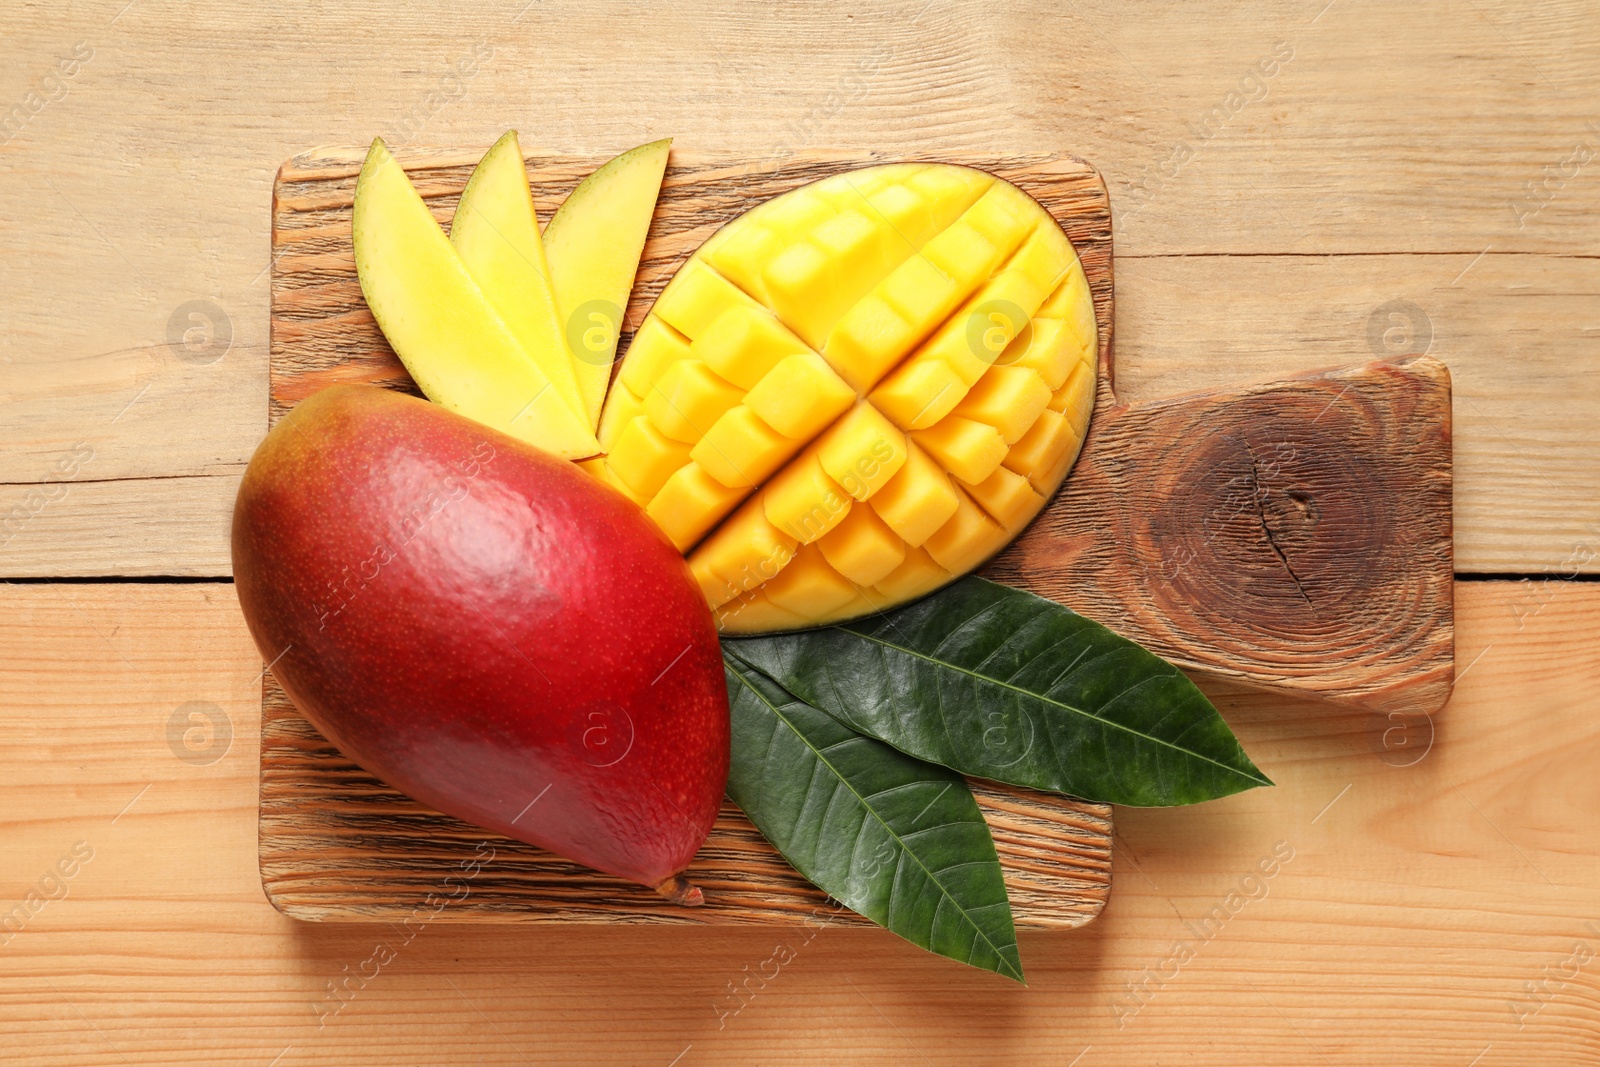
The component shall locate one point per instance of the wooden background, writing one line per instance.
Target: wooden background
(1431, 168)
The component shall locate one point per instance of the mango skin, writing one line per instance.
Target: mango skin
(485, 627)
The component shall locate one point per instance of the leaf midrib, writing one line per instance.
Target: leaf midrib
(945, 893)
(1051, 701)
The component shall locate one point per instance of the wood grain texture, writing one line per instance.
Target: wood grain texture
(1204, 322)
(1383, 163)
(1312, 207)
(1439, 865)
(339, 845)
(1294, 535)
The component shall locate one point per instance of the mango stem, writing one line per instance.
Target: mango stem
(680, 890)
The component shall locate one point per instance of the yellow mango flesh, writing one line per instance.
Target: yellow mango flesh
(593, 244)
(496, 234)
(856, 392)
(449, 334)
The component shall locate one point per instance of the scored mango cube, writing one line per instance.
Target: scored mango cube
(966, 539)
(689, 504)
(803, 501)
(999, 219)
(792, 217)
(863, 548)
(716, 589)
(687, 399)
(1008, 497)
(919, 394)
(794, 280)
(963, 254)
(902, 208)
(967, 449)
(1072, 303)
(621, 408)
(740, 450)
(645, 458)
(696, 297)
(856, 392)
(842, 192)
(916, 501)
(655, 347)
(916, 201)
(972, 340)
(1007, 398)
(1059, 459)
(1075, 398)
(598, 469)
(862, 451)
(921, 294)
(871, 250)
(744, 553)
(744, 343)
(740, 254)
(1013, 289)
(1045, 259)
(753, 613)
(808, 586)
(800, 396)
(1051, 444)
(1048, 348)
(916, 575)
(958, 187)
(867, 343)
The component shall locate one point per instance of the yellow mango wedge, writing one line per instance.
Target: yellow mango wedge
(457, 347)
(593, 244)
(496, 234)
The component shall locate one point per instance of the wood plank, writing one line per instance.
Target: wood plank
(174, 526)
(1513, 333)
(1326, 161)
(1426, 889)
(1511, 328)
(1330, 162)
(1219, 134)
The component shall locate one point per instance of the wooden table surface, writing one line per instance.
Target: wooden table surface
(1298, 184)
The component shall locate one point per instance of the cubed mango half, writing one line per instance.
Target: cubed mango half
(856, 392)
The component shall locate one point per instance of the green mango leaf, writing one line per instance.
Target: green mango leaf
(998, 683)
(895, 839)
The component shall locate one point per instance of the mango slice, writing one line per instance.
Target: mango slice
(593, 244)
(496, 234)
(450, 335)
(856, 392)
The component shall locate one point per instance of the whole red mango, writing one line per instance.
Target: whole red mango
(486, 628)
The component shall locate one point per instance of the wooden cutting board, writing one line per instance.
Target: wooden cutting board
(1293, 535)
